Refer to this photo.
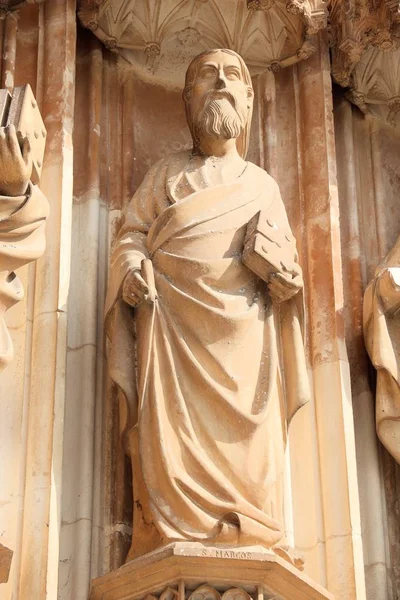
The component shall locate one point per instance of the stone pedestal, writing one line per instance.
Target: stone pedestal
(196, 572)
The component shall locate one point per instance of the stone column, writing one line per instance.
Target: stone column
(84, 383)
(9, 49)
(298, 134)
(333, 409)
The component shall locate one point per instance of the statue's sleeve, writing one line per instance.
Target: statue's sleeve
(22, 240)
(290, 316)
(130, 246)
(128, 251)
(22, 221)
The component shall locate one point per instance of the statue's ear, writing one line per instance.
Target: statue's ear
(250, 96)
(186, 94)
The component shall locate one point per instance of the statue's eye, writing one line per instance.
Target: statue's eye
(233, 75)
(207, 72)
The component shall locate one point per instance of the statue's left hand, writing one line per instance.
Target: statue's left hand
(389, 290)
(283, 286)
(15, 163)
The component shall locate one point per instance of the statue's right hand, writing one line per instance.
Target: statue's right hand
(134, 289)
(15, 163)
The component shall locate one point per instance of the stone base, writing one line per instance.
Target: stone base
(184, 571)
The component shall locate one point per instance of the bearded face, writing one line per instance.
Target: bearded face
(218, 95)
(219, 115)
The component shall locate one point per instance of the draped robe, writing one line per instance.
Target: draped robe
(381, 319)
(22, 240)
(209, 397)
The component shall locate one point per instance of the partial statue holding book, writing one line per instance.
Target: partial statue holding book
(382, 340)
(23, 208)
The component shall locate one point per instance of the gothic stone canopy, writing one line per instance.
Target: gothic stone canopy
(365, 39)
(160, 37)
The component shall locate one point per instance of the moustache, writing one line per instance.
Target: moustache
(218, 95)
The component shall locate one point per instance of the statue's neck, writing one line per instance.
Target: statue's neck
(202, 172)
(218, 147)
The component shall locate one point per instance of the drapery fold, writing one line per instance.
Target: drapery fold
(382, 339)
(22, 240)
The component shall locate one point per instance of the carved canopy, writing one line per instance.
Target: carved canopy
(160, 37)
(365, 37)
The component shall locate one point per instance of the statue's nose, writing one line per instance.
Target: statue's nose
(221, 82)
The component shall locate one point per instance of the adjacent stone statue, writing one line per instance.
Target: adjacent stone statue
(210, 360)
(23, 212)
(382, 339)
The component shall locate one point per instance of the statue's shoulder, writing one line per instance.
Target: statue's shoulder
(163, 169)
(262, 177)
(172, 161)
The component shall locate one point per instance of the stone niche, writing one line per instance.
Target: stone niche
(184, 571)
(147, 53)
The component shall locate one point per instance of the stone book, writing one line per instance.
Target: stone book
(268, 249)
(20, 109)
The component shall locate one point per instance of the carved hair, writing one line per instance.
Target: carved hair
(242, 142)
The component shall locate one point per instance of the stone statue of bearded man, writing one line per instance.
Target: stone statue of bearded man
(210, 360)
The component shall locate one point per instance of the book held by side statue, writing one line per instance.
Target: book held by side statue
(21, 110)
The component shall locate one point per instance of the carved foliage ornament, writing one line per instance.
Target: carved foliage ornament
(357, 24)
(160, 37)
(206, 592)
(365, 40)
(375, 85)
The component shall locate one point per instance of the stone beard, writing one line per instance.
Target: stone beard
(219, 116)
(211, 371)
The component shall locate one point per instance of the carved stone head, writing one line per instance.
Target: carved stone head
(218, 96)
